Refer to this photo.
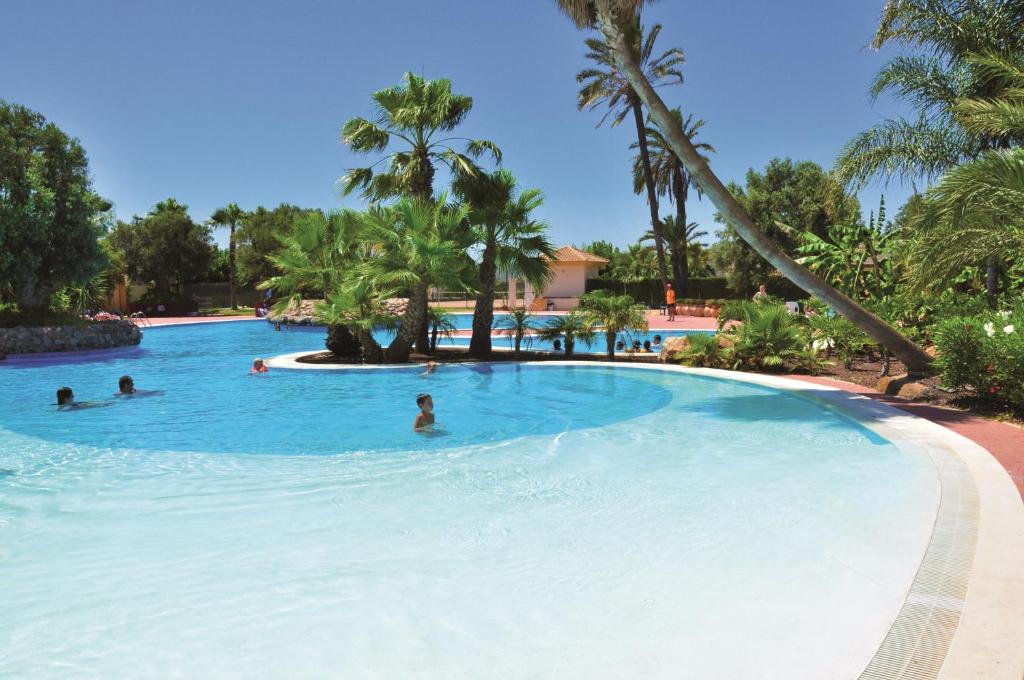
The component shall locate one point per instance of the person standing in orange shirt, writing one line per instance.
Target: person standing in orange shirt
(670, 302)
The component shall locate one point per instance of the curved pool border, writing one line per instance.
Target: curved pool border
(963, 615)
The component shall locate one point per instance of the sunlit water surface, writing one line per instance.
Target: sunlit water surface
(565, 522)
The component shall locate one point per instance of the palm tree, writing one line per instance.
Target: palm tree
(230, 216)
(607, 85)
(358, 306)
(611, 16)
(313, 261)
(572, 328)
(948, 33)
(513, 242)
(615, 313)
(678, 240)
(516, 325)
(441, 324)
(671, 177)
(417, 244)
(417, 115)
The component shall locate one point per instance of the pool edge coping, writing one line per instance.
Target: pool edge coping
(986, 641)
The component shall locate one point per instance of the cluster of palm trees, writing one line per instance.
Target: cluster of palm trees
(412, 239)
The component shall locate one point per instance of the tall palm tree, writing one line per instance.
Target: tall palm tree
(946, 33)
(671, 177)
(614, 314)
(417, 115)
(417, 244)
(678, 239)
(230, 216)
(606, 85)
(513, 242)
(611, 16)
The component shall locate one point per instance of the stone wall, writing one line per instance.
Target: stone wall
(92, 335)
(305, 315)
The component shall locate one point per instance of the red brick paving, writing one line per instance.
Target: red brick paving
(1003, 440)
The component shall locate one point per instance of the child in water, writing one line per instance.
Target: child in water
(425, 418)
(66, 401)
(258, 367)
(431, 367)
(126, 388)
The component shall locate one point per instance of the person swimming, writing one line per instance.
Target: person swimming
(126, 388)
(620, 345)
(425, 418)
(431, 367)
(657, 340)
(557, 345)
(258, 367)
(66, 401)
(647, 345)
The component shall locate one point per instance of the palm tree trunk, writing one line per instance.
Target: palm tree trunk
(483, 310)
(609, 337)
(652, 196)
(231, 266)
(682, 278)
(570, 346)
(372, 351)
(401, 347)
(423, 334)
(912, 356)
(992, 277)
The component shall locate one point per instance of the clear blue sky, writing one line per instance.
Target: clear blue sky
(218, 101)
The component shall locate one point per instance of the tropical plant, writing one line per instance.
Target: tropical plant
(358, 307)
(834, 335)
(50, 217)
(984, 354)
(703, 350)
(614, 314)
(612, 17)
(734, 310)
(417, 244)
(230, 216)
(671, 177)
(948, 34)
(513, 241)
(441, 324)
(418, 115)
(89, 295)
(768, 338)
(570, 328)
(517, 324)
(605, 84)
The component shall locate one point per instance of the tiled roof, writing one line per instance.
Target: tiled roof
(570, 254)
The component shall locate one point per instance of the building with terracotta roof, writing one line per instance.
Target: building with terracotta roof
(570, 269)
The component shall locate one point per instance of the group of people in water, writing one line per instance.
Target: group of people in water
(647, 347)
(125, 388)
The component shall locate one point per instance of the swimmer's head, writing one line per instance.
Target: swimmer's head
(126, 385)
(65, 396)
(657, 339)
(620, 344)
(257, 363)
(425, 402)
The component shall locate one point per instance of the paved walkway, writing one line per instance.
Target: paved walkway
(1003, 440)
(172, 320)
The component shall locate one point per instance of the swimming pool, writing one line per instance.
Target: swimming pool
(568, 521)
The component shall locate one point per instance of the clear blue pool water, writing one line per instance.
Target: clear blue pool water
(569, 522)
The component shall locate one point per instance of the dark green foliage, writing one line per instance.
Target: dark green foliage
(50, 218)
(837, 337)
(165, 247)
(985, 355)
(258, 237)
(799, 195)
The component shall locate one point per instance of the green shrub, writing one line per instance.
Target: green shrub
(837, 336)
(984, 353)
(703, 349)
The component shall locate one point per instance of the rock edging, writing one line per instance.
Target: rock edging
(91, 335)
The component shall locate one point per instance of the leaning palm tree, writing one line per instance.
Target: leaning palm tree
(671, 177)
(513, 242)
(570, 328)
(417, 244)
(612, 17)
(230, 216)
(615, 314)
(678, 239)
(418, 115)
(516, 325)
(607, 85)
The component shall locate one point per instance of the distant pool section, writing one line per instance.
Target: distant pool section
(569, 521)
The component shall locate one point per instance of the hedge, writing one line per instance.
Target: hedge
(648, 291)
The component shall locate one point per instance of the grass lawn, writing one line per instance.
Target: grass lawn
(227, 311)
